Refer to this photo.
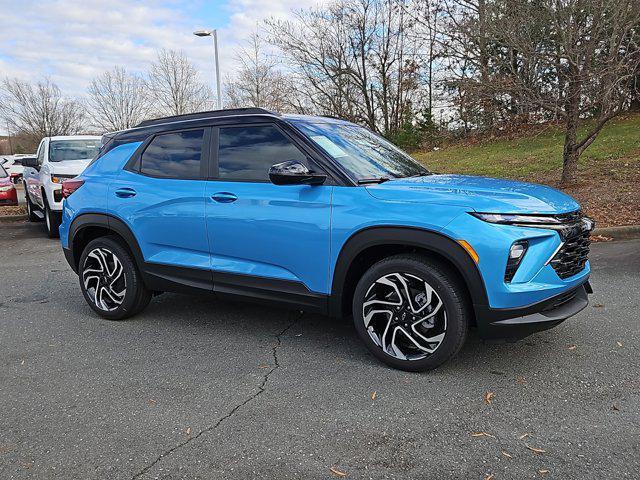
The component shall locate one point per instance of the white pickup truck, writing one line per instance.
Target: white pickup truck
(58, 159)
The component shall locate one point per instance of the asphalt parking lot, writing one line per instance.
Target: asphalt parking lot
(198, 388)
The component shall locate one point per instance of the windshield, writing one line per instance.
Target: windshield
(61, 150)
(361, 152)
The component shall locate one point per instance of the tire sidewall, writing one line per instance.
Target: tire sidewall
(127, 307)
(453, 303)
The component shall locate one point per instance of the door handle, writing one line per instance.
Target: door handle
(125, 192)
(224, 197)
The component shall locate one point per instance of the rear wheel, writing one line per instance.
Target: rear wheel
(110, 280)
(410, 313)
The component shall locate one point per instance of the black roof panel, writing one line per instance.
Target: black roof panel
(210, 114)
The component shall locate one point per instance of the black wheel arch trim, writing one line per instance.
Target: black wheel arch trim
(106, 221)
(429, 240)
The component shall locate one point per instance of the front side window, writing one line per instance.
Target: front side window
(361, 152)
(174, 155)
(64, 150)
(3, 172)
(247, 153)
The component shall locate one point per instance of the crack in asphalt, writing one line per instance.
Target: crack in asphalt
(231, 413)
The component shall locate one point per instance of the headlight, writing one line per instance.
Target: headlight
(6, 188)
(515, 219)
(566, 224)
(60, 178)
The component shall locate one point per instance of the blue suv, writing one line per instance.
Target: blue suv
(322, 215)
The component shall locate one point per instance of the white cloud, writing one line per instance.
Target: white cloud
(71, 41)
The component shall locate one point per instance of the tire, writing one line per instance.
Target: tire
(51, 220)
(112, 293)
(398, 332)
(31, 214)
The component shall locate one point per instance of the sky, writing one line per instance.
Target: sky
(72, 41)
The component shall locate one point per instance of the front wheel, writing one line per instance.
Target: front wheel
(51, 221)
(30, 212)
(110, 281)
(410, 312)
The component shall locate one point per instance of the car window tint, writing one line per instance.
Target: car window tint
(247, 153)
(174, 155)
(40, 156)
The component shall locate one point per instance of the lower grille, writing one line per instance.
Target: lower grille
(572, 257)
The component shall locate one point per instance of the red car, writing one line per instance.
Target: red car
(8, 194)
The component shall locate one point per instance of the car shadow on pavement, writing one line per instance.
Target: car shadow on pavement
(331, 337)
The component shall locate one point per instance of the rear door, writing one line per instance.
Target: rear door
(161, 196)
(264, 236)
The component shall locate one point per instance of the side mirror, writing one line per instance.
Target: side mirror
(29, 162)
(293, 172)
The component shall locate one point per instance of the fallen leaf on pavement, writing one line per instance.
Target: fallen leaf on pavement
(521, 380)
(506, 454)
(337, 472)
(615, 407)
(374, 395)
(264, 365)
(598, 305)
(619, 344)
(488, 397)
(152, 401)
(482, 434)
(573, 347)
(536, 450)
(489, 476)
(600, 238)
(543, 471)
(524, 435)
(188, 430)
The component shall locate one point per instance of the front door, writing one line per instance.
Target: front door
(265, 239)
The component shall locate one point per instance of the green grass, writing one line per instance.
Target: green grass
(541, 153)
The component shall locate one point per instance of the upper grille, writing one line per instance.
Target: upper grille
(572, 257)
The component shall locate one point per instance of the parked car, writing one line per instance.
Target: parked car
(325, 216)
(57, 159)
(8, 194)
(13, 165)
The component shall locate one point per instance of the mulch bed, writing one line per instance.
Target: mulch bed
(14, 210)
(609, 193)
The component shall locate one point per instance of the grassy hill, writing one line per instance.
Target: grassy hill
(609, 170)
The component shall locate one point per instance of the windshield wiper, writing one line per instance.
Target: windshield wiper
(364, 181)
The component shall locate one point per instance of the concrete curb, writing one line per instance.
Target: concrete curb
(626, 232)
(13, 218)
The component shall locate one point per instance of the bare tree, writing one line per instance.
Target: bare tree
(258, 81)
(591, 48)
(39, 110)
(356, 59)
(174, 86)
(117, 100)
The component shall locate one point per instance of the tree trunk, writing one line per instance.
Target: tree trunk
(570, 153)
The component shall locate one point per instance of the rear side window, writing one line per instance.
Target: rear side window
(174, 155)
(247, 153)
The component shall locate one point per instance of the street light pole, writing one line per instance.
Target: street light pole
(214, 34)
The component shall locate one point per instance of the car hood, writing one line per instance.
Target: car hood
(69, 167)
(481, 194)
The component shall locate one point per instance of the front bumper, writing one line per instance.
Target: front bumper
(517, 323)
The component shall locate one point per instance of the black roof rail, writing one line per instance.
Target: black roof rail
(210, 114)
